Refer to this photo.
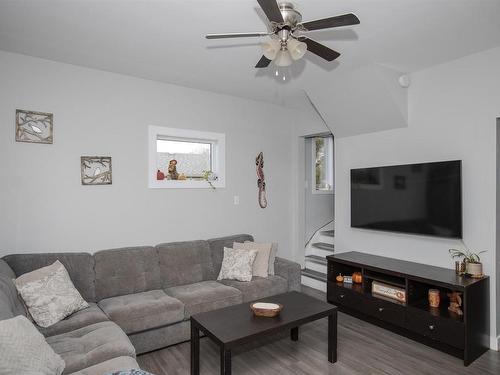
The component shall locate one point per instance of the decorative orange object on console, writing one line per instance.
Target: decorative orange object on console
(339, 278)
(357, 277)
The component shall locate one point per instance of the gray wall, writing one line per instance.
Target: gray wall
(453, 111)
(44, 207)
(319, 208)
(498, 225)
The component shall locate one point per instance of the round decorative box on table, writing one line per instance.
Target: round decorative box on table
(268, 310)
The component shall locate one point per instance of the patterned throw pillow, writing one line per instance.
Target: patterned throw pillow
(237, 264)
(24, 350)
(49, 294)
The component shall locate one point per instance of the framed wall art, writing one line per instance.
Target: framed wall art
(96, 170)
(34, 127)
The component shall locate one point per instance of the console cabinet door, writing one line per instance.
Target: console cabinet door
(449, 331)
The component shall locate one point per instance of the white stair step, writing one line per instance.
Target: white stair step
(320, 276)
(324, 246)
(328, 233)
(316, 259)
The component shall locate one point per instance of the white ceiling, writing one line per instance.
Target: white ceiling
(164, 40)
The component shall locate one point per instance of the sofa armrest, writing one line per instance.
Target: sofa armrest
(290, 271)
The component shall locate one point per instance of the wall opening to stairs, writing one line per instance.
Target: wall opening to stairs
(319, 190)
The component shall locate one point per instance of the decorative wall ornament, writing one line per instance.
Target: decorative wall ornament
(34, 127)
(96, 170)
(261, 183)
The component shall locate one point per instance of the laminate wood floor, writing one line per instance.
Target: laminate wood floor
(362, 349)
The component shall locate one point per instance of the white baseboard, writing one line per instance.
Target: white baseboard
(495, 343)
(316, 284)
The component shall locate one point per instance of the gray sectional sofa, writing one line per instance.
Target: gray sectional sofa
(140, 298)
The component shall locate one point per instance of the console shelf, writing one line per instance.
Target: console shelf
(464, 336)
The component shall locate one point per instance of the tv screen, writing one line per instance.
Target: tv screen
(415, 198)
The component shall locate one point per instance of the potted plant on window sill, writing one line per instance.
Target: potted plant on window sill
(474, 267)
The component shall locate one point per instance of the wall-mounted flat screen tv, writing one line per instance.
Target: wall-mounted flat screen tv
(421, 198)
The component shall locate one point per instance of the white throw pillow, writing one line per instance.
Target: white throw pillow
(272, 254)
(261, 263)
(237, 264)
(49, 294)
(24, 350)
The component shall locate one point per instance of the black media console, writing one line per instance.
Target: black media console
(464, 336)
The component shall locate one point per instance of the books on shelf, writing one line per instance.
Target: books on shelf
(388, 291)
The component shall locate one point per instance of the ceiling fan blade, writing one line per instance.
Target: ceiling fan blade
(326, 23)
(235, 35)
(319, 49)
(271, 9)
(263, 62)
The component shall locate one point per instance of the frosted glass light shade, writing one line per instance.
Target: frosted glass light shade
(270, 49)
(283, 58)
(297, 49)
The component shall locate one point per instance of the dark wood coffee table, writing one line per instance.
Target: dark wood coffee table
(233, 326)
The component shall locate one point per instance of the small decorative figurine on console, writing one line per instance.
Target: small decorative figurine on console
(339, 278)
(172, 170)
(455, 303)
(357, 278)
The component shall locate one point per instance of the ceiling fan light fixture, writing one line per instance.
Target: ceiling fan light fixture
(297, 49)
(270, 49)
(283, 58)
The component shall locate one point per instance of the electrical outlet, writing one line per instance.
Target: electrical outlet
(236, 200)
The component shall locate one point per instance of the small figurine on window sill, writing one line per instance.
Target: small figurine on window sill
(182, 177)
(172, 170)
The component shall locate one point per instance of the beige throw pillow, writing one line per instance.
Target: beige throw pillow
(49, 294)
(261, 264)
(237, 264)
(24, 350)
(272, 255)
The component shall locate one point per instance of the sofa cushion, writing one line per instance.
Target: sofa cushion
(10, 303)
(80, 267)
(205, 296)
(183, 263)
(142, 311)
(111, 365)
(23, 350)
(126, 271)
(91, 345)
(259, 287)
(217, 246)
(90, 315)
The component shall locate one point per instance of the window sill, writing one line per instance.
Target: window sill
(186, 184)
(322, 192)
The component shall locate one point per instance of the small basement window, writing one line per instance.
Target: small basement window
(181, 158)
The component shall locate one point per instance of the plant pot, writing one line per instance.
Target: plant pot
(475, 269)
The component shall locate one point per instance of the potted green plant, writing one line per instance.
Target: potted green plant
(474, 267)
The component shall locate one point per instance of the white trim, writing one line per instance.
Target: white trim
(495, 343)
(218, 140)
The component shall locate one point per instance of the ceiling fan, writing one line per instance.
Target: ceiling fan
(286, 42)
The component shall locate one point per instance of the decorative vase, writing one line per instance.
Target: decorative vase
(160, 175)
(434, 298)
(475, 269)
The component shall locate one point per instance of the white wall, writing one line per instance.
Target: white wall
(44, 207)
(452, 115)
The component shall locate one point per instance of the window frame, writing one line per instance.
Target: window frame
(218, 157)
(329, 165)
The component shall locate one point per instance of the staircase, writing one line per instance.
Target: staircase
(320, 245)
